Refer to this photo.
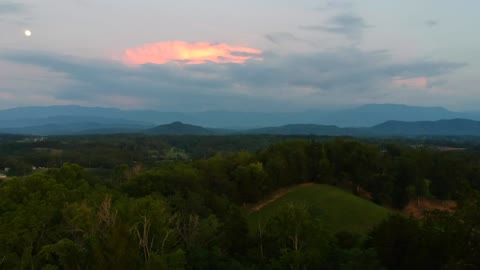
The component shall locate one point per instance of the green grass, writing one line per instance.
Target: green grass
(336, 209)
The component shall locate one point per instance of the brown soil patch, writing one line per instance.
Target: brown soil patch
(280, 193)
(417, 208)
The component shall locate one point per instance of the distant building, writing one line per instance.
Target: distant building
(6, 169)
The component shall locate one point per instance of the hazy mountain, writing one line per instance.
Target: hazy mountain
(363, 116)
(306, 129)
(179, 128)
(50, 113)
(109, 130)
(65, 118)
(374, 114)
(439, 128)
(454, 127)
(69, 120)
(73, 129)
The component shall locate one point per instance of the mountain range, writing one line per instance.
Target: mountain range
(453, 127)
(366, 120)
(179, 128)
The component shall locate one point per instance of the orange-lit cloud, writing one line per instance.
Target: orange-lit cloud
(190, 53)
(417, 82)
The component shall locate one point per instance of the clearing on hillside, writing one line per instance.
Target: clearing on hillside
(336, 209)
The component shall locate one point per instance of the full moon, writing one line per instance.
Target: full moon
(28, 33)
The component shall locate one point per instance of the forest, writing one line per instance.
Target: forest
(186, 202)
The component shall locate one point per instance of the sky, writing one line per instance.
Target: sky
(249, 55)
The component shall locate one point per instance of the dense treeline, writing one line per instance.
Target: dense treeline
(393, 175)
(20, 153)
(190, 213)
(108, 151)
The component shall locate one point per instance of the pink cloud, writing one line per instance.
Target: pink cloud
(191, 53)
(417, 82)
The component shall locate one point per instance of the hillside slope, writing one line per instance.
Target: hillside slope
(337, 209)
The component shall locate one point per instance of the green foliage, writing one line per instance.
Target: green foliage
(251, 181)
(136, 208)
(337, 209)
(295, 239)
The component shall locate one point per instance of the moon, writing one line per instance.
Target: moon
(28, 33)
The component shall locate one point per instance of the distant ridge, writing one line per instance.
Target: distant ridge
(454, 127)
(179, 128)
(75, 128)
(72, 119)
(374, 114)
(362, 116)
(304, 129)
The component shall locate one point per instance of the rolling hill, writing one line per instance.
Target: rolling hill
(459, 127)
(337, 210)
(305, 129)
(179, 128)
(374, 114)
(367, 120)
(74, 129)
(453, 127)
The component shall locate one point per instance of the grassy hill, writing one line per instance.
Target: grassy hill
(337, 209)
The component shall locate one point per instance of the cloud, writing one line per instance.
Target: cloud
(84, 3)
(332, 5)
(189, 53)
(7, 7)
(418, 82)
(431, 23)
(349, 25)
(278, 82)
(285, 37)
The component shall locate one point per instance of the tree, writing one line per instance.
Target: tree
(298, 238)
(251, 181)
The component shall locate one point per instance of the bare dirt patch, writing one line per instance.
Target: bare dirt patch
(418, 208)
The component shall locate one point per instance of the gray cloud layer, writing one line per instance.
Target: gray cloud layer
(349, 25)
(332, 5)
(285, 37)
(7, 7)
(431, 23)
(256, 85)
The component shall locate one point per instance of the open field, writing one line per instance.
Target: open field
(337, 209)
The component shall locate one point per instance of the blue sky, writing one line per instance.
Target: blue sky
(251, 55)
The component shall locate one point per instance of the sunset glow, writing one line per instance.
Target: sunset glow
(190, 53)
(418, 82)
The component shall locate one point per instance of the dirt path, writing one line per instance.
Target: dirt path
(280, 193)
